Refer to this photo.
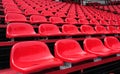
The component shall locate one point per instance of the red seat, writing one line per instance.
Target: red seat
(56, 20)
(34, 19)
(112, 29)
(13, 17)
(95, 46)
(101, 29)
(32, 56)
(118, 28)
(20, 30)
(81, 16)
(30, 11)
(24, 6)
(83, 21)
(49, 30)
(112, 43)
(71, 21)
(47, 13)
(70, 30)
(87, 29)
(12, 10)
(111, 22)
(58, 14)
(94, 22)
(69, 50)
(103, 22)
(71, 15)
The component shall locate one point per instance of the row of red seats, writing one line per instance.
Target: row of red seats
(34, 56)
(26, 30)
(37, 19)
(86, 15)
(28, 10)
(112, 8)
(98, 14)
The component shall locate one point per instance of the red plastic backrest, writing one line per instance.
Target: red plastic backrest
(56, 19)
(60, 14)
(109, 41)
(14, 17)
(31, 50)
(111, 28)
(69, 29)
(67, 46)
(83, 21)
(37, 18)
(103, 22)
(100, 29)
(30, 11)
(90, 43)
(93, 21)
(71, 20)
(20, 28)
(48, 28)
(87, 28)
(46, 13)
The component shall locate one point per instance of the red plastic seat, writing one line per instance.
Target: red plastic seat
(71, 15)
(70, 30)
(58, 14)
(30, 11)
(13, 17)
(95, 46)
(112, 29)
(103, 22)
(32, 56)
(56, 20)
(20, 30)
(83, 21)
(94, 22)
(81, 16)
(118, 28)
(24, 6)
(38, 19)
(112, 43)
(12, 10)
(111, 22)
(71, 21)
(69, 50)
(49, 30)
(87, 29)
(47, 13)
(101, 29)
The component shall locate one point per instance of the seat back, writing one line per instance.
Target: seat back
(30, 11)
(14, 17)
(29, 51)
(67, 46)
(103, 22)
(112, 29)
(19, 29)
(56, 20)
(47, 13)
(58, 14)
(87, 29)
(110, 41)
(48, 28)
(90, 43)
(71, 20)
(69, 29)
(100, 29)
(12, 10)
(37, 19)
(83, 21)
(94, 22)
